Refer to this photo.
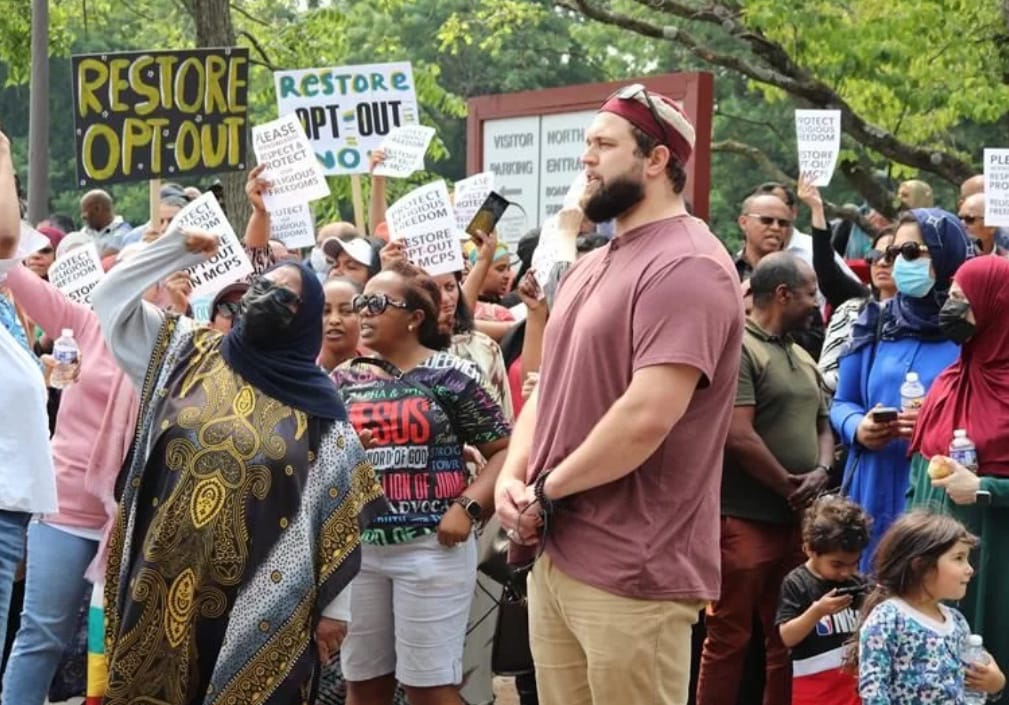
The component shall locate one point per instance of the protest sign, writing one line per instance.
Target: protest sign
(996, 188)
(293, 226)
(404, 151)
(230, 264)
(77, 273)
(818, 136)
(470, 193)
(143, 115)
(294, 173)
(423, 219)
(347, 111)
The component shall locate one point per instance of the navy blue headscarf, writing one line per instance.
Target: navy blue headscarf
(286, 367)
(905, 316)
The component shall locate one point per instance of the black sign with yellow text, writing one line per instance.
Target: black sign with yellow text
(160, 114)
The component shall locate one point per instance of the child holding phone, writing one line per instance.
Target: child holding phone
(817, 608)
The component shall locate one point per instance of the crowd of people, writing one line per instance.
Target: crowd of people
(659, 472)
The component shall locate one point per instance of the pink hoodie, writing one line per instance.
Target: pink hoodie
(97, 414)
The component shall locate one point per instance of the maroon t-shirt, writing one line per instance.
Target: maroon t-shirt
(663, 293)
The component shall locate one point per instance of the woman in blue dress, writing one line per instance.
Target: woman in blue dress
(888, 341)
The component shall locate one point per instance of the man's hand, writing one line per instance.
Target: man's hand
(394, 251)
(201, 242)
(455, 526)
(811, 484)
(329, 636)
(961, 486)
(254, 188)
(875, 436)
(179, 287)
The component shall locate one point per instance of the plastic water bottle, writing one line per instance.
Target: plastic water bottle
(973, 653)
(912, 393)
(963, 450)
(67, 354)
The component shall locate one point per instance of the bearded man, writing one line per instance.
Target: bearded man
(619, 451)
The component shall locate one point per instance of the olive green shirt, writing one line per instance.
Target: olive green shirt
(781, 381)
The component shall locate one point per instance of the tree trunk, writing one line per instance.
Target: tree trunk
(214, 29)
(38, 115)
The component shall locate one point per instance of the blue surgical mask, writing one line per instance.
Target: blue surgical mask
(913, 278)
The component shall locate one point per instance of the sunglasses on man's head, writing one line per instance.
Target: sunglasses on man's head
(768, 221)
(910, 251)
(375, 304)
(631, 92)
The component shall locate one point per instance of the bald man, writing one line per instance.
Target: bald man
(915, 194)
(101, 222)
(972, 216)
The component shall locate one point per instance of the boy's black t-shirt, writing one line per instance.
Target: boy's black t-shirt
(801, 589)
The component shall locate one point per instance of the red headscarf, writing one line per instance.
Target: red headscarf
(973, 392)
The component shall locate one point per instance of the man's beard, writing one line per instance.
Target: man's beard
(614, 199)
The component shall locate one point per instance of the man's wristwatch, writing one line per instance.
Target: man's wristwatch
(473, 509)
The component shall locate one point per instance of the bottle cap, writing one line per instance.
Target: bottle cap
(911, 377)
(68, 332)
(960, 433)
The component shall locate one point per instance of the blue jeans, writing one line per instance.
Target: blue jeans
(54, 591)
(12, 550)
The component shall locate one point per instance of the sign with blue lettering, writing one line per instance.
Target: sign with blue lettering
(347, 111)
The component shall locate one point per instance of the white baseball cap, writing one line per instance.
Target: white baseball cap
(357, 248)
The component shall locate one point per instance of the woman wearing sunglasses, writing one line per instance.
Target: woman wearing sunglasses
(889, 340)
(411, 601)
(244, 496)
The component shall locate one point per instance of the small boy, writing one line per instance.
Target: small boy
(818, 607)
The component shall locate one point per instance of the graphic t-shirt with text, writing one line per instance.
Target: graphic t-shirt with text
(419, 423)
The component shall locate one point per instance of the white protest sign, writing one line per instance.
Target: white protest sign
(470, 193)
(424, 220)
(996, 188)
(77, 273)
(348, 110)
(293, 225)
(818, 136)
(294, 173)
(404, 148)
(547, 252)
(230, 264)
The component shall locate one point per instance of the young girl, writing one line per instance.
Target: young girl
(909, 643)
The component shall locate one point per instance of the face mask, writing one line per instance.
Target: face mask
(264, 313)
(913, 278)
(953, 321)
(318, 261)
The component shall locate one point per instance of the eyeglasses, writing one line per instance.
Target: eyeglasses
(375, 304)
(630, 92)
(284, 295)
(229, 309)
(877, 257)
(768, 221)
(910, 251)
(969, 219)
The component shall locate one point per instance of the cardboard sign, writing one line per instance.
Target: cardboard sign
(470, 193)
(996, 188)
(424, 219)
(148, 115)
(818, 135)
(291, 167)
(77, 273)
(293, 226)
(230, 264)
(404, 151)
(347, 111)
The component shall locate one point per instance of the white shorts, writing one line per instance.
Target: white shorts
(408, 612)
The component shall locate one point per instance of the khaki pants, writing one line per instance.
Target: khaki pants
(592, 647)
